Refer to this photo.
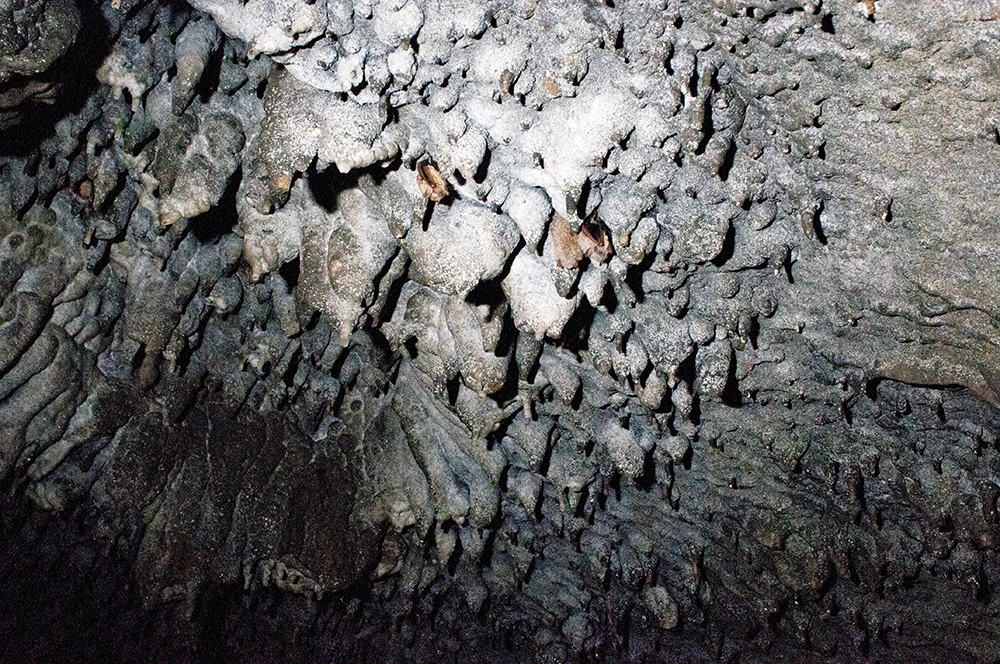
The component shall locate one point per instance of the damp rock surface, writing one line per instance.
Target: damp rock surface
(454, 330)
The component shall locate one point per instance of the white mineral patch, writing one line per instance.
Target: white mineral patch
(535, 303)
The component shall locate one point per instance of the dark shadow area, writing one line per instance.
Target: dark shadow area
(647, 480)
(812, 225)
(326, 184)
(209, 81)
(484, 166)
(728, 247)
(731, 395)
(74, 74)
(727, 161)
(489, 293)
(222, 218)
(394, 290)
(289, 272)
(576, 332)
(580, 205)
(633, 277)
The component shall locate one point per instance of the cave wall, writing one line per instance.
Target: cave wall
(415, 330)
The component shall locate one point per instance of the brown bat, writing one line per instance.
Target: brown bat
(432, 185)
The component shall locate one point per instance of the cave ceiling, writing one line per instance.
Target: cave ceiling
(510, 330)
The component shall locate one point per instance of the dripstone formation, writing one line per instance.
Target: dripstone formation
(500, 330)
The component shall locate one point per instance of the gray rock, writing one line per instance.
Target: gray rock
(245, 363)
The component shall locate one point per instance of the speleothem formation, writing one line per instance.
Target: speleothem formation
(500, 330)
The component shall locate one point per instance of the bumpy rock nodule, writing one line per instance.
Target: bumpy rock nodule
(692, 356)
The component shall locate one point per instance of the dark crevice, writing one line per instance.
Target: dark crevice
(222, 218)
(74, 74)
(728, 247)
(289, 272)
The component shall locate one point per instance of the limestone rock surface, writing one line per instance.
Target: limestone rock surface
(499, 330)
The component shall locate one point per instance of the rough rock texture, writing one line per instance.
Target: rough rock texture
(499, 330)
